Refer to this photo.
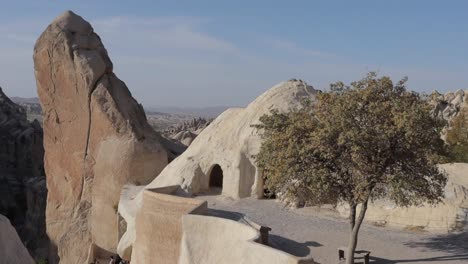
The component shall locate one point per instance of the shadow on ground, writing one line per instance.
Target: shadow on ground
(450, 243)
(292, 247)
(452, 247)
(420, 260)
(225, 214)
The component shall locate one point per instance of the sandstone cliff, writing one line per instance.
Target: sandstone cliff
(96, 138)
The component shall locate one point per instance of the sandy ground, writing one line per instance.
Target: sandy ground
(308, 231)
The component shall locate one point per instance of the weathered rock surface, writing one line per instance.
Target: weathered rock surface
(224, 150)
(96, 138)
(11, 248)
(450, 215)
(22, 180)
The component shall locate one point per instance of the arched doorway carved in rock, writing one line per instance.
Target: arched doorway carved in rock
(216, 179)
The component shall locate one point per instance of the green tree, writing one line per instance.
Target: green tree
(354, 144)
(457, 138)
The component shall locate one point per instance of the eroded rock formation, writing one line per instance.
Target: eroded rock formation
(22, 181)
(96, 138)
(187, 131)
(448, 105)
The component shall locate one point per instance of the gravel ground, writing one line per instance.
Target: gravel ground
(317, 233)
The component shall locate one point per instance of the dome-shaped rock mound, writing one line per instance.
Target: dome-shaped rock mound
(221, 156)
(96, 138)
(230, 142)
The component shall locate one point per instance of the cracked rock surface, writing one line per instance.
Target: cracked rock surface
(96, 139)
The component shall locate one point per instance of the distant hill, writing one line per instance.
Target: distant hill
(161, 118)
(21, 100)
(31, 106)
(208, 112)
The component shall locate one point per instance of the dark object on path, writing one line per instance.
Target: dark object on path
(364, 254)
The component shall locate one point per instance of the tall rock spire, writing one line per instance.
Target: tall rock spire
(96, 138)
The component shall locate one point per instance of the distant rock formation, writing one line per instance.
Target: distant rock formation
(22, 180)
(187, 131)
(96, 138)
(32, 107)
(221, 157)
(448, 105)
(11, 248)
(196, 125)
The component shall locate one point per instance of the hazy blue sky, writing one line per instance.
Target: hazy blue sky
(206, 53)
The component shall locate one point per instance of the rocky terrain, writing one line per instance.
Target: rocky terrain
(22, 180)
(100, 151)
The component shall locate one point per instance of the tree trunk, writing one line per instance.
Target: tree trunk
(352, 215)
(355, 225)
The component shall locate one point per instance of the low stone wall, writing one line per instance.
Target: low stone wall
(173, 229)
(159, 227)
(450, 215)
(213, 240)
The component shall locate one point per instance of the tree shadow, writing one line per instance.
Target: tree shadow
(453, 247)
(419, 260)
(292, 247)
(450, 243)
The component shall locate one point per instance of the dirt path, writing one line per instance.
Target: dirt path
(304, 232)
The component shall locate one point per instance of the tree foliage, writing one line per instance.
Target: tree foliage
(369, 140)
